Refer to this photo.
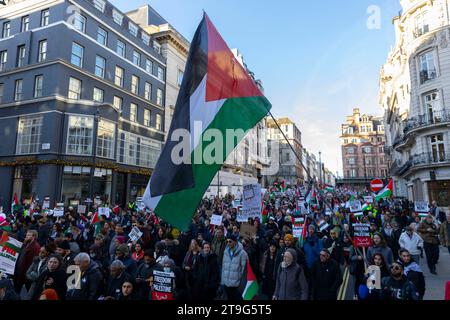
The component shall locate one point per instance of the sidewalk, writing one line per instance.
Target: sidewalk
(435, 285)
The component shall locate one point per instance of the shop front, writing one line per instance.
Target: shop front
(439, 191)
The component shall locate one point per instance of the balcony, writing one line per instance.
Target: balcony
(434, 159)
(435, 118)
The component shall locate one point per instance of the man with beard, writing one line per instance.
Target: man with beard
(30, 249)
(397, 287)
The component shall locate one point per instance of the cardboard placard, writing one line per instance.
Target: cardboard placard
(368, 199)
(46, 203)
(297, 231)
(58, 211)
(247, 230)
(9, 253)
(216, 219)
(163, 285)
(104, 211)
(251, 204)
(355, 206)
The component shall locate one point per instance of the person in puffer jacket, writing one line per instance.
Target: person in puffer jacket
(291, 282)
(233, 268)
(412, 242)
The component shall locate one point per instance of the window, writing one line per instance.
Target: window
(345, 141)
(29, 135)
(351, 150)
(42, 50)
(421, 23)
(38, 85)
(3, 60)
(18, 90)
(363, 128)
(45, 14)
(98, 95)
(158, 122)
(354, 140)
(148, 91)
(147, 117)
(437, 148)
(118, 103)
(427, 67)
(80, 135)
(20, 56)
(133, 112)
(380, 150)
(353, 173)
(117, 17)
(74, 89)
(135, 84)
(6, 32)
(79, 22)
(367, 150)
(380, 128)
(160, 73)
(180, 77)
(99, 5)
(157, 47)
(146, 38)
(149, 66)
(2, 89)
(368, 161)
(433, 107)
(136, 58)
(105, 139)
(25, 24)
(77, 54)
(133, 29)
(118, 77)
(159, 97)
(120, 49)
(100, 64)
(137, 150)
(102, 36)
(381, 160)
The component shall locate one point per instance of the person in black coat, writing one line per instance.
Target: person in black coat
(335, 245)
(128, 292)
(270, 262)
(116, 279)
(53, 278)
(144, 275)
(91, 279)
(206, 274)
(326, 277)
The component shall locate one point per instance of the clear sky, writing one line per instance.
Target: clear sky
(317, 59)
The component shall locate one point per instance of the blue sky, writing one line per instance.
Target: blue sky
(317, 59)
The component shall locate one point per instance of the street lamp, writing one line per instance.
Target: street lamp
(94, 144)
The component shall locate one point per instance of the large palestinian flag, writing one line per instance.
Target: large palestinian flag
(386, 192)
(217, 94)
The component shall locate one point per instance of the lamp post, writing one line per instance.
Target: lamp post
(94, 146)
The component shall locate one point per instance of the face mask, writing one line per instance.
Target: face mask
(92, 255)
(166, 269)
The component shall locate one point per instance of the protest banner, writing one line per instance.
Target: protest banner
(104, 211)
(46, 203)
(421, 207)
(297, 231)
(356, 208)
(251, 204)
(9, 253)
(163, 285)
(98, 201)
(58, 211)
(135, 234)
(247, 230)
(81, 209)
(216, 219)
(368, 199)
(361, 235)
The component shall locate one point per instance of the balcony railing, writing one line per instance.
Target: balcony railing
(431, 158)
(423, 120)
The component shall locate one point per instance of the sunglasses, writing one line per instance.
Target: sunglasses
(395, 268)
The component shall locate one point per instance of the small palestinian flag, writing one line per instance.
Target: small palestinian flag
(12, 244)
(329, 189)
(217, 96)
(386, 192)
(322, 224)
(4, 224)
(15, 203)
(264, 214)
(96, 223)
(252, 288)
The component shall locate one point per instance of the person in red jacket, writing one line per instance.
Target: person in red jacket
(447, 291)
(29, 250)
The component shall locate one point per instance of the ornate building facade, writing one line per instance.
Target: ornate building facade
(415, 95)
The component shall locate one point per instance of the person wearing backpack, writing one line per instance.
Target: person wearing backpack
(291, 282)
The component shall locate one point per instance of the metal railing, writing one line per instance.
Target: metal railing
(431, 158)
(430, 118)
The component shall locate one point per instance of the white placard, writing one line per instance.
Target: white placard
(368, 199)
(58, 212)
(251, 204)
(104, 211)
(421, 207)
(46, 203)
(355, 206)
(98, 202)
(10, 250)
(81, 209)
(135, 234)
(297, 232)
(216, 219)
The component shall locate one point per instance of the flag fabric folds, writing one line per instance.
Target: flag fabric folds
(217, 94)
(386, 192)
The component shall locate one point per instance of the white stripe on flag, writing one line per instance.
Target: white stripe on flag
(147, 198)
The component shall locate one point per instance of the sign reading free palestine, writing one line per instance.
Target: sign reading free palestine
(9, 253)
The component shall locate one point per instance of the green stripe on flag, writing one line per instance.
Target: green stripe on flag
(251, 290)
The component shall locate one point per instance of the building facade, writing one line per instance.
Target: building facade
(414, 94)
(363, 152)
(82, 95)
(290, 167)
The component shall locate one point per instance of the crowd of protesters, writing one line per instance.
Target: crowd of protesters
(210, 262)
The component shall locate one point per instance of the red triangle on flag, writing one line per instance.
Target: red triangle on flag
(4, 238)
(227, 78)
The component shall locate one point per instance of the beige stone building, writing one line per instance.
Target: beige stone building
(362, 142)
(414, 94)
